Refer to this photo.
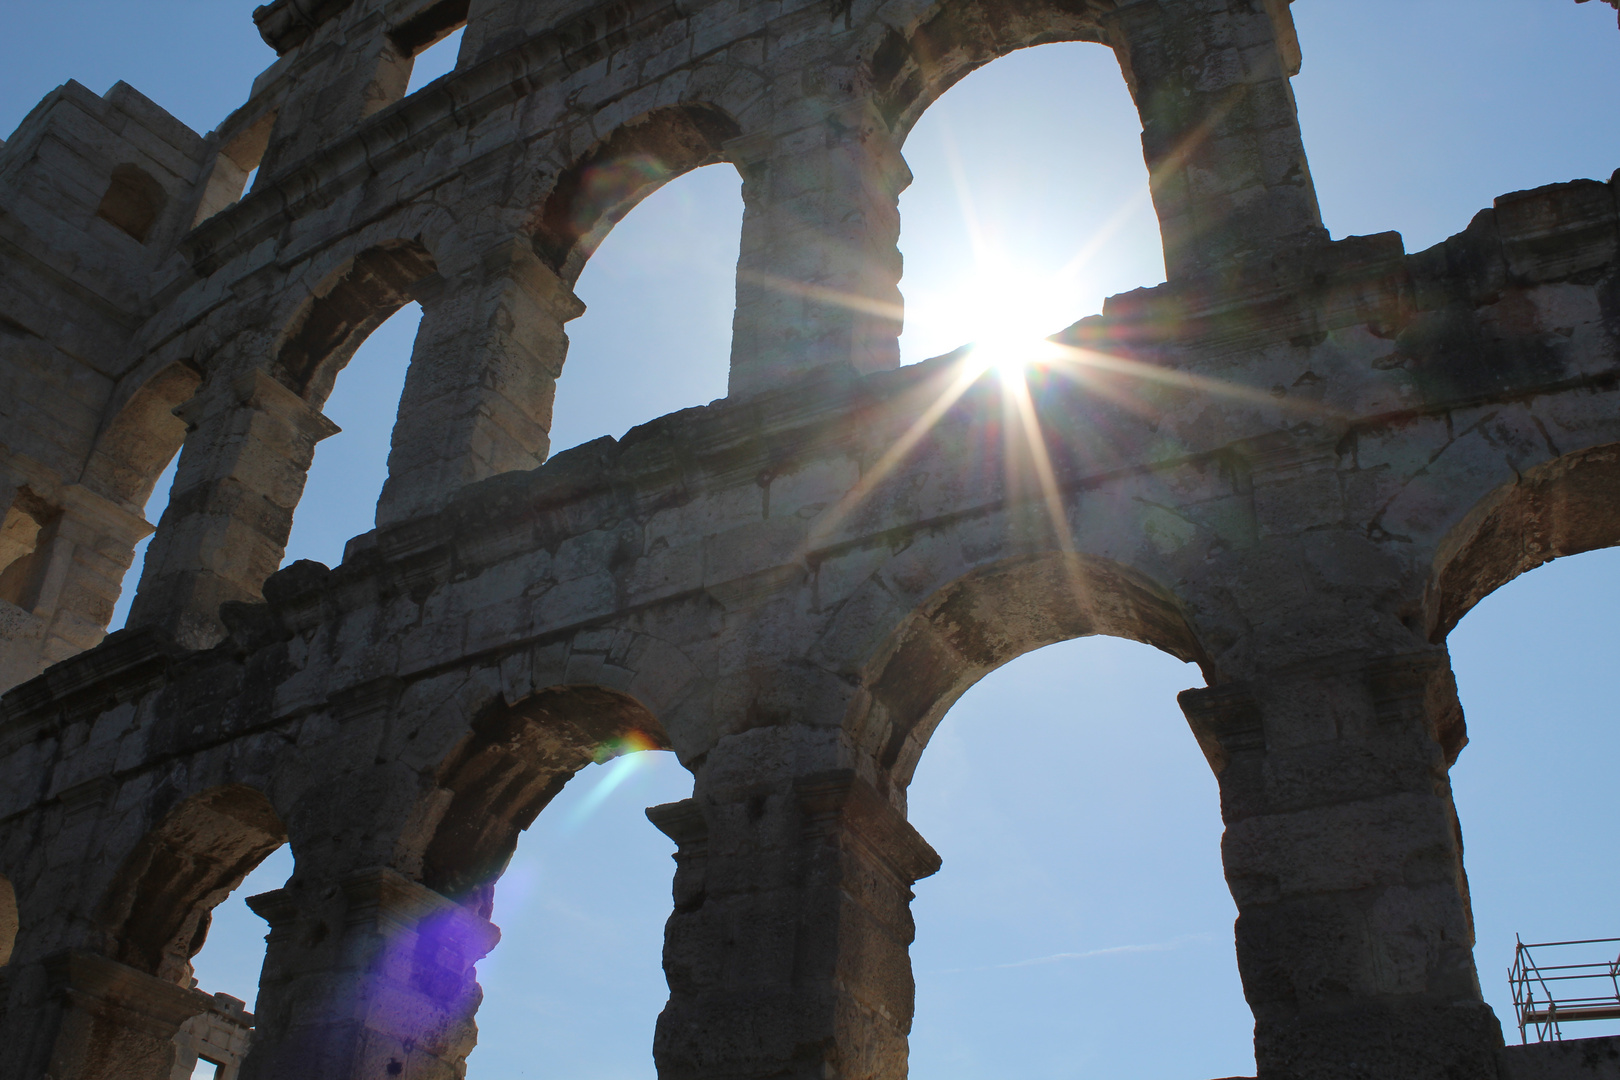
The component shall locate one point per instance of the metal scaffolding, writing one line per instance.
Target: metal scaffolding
(1546, 995)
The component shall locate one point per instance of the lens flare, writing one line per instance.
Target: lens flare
(1014, 319)
(628, 757)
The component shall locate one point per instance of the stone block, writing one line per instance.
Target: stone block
(1567, 1059)
(1556, 232)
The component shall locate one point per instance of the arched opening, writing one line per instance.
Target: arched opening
(1081, 904)
(1534, 788)
(1565, 507)
(347, 475)
(582, 901)
(159, 913)
(135, 458)
(659, 293)
(1082, 892)
(230, 961)
(9, 922)
(1531, 653)
(362, 321)
(158, 910)
(659, 288)
(213, 1044)
(597, 189)
(1029, 202)
(344, 311)
(982, 621)
(516, 760)
(152, 509)
(142, 438)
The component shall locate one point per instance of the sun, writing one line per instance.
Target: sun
(1009, 319)
(1011, 355)
(1002, 310)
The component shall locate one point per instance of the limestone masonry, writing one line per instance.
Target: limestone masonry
(1311, 460)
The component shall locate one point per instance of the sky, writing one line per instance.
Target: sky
(1080, 927)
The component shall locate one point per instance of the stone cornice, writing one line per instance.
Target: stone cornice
(125, 665)
(287, 24)
(841, 803)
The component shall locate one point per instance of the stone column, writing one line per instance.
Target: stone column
(787, 952)
(483, 375)
(360, 70)
(241, 475)
(73, 578)
(1219, 128)
(372, 978)
(110, 1021)
(1342, 850)
(819, 270)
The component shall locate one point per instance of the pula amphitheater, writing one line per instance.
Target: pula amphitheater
(788, 587)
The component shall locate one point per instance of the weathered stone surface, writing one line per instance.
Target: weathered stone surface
(1313, 458)
(1598, 1059)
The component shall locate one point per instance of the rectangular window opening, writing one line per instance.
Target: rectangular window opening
(236, 169)
(433, 39)
(207, 1069)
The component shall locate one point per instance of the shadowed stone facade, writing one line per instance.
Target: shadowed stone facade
(1298, 464)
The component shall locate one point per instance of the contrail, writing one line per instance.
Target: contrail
(1113, 950)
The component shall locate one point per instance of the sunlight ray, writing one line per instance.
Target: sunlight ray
(825, 295)
(1015, 387)
(964, 191)
(1070, 271)
(967, 372)
(1075, 360)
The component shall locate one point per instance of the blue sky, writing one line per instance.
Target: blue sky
(1080, 927)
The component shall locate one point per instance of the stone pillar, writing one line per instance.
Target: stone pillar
(240, 477)
(68, 584)
(361, 70)
(108, 1021)
(787, 951)
(1342, 850)
(1219, 128)
(372, 978)
(483, 375)
(818, 275)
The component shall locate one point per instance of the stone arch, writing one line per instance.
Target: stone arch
(137, 442)
(157, 911)
(606, 182)
(344, 309)
(993, 615)
(512, 763)
(9, 920)
(911, 68)
(1565, 506)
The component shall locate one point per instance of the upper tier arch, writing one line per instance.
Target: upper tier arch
(602, 185)
(344, 309)
(911, 66)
